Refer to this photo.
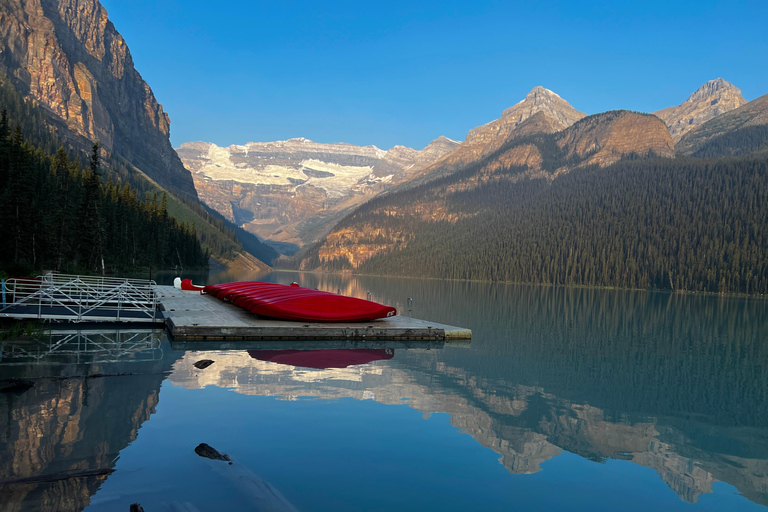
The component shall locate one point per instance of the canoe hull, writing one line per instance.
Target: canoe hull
(297, 303)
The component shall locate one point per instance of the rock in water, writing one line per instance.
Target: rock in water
(209, 452)
(203, 364)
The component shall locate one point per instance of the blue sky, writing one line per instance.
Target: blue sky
(395, 72)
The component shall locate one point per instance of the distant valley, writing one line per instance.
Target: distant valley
(292, 192)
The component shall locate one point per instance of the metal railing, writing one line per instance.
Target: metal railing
(80, 299)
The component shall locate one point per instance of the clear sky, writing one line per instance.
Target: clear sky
(405, 72)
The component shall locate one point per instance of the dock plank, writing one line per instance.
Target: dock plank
(190, 316)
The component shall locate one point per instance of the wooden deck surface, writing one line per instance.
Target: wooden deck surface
(190, 316)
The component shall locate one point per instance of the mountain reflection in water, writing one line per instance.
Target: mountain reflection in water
(92, 391)
(668, 382)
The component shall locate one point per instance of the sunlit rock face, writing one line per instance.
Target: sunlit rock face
(712, 99)
(68, 56)
(293, 191)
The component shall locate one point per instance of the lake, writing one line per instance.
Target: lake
(566, 399)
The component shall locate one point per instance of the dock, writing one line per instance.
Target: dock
(192, 317)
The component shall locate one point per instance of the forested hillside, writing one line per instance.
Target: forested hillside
(676, 224)
(219, 237)
(56, 215)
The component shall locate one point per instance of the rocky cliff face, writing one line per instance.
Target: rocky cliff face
(712, 99)
(68, 56)
(293, 191)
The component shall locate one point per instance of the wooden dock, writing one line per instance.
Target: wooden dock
(190, 316)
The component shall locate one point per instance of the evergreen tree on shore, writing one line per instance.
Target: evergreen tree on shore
(55, 215)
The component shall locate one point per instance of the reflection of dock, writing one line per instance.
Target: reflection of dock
(91, 346)
(191, 316)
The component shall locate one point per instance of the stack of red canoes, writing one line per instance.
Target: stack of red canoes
(297, 303)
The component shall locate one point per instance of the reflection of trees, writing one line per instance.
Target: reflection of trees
(70, 423)
(671, 382)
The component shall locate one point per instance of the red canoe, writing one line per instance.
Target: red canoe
(320, 359)
(296, 303)
(186, 284)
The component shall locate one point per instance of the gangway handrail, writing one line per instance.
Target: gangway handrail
(80, 298)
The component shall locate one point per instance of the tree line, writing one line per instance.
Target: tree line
(54, 214)
(219, 237)
(672, 224)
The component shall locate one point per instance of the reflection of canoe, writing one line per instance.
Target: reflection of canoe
(297, 303)
(332, 358)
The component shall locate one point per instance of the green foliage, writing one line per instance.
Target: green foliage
(219, 237)
(55, 215)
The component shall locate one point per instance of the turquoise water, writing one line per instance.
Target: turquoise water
(566, 399)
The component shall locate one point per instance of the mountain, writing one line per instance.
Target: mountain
(69, 57)
(67, 79)
(601, 139)
(554, 112)
(740, 131)
(293, 191)
(601, 203)
(712, 99)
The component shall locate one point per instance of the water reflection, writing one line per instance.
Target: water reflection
(323, 359)
(674, 383)
(668, 382)
(90, 391)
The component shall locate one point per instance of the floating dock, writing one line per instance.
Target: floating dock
(190, 316)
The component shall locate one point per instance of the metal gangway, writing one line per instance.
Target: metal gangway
(76, 298)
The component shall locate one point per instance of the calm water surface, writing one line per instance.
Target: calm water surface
(566, 399)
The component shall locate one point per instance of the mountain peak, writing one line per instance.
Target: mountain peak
(713, 88)
(712, 99)
(541, 99)
(443, 140)
(541, 93)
